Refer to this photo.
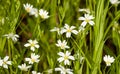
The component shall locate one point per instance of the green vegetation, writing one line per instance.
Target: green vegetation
(80, 36)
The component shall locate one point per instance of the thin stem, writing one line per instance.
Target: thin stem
(104, 69)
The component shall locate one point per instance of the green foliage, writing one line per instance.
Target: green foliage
(92, 43)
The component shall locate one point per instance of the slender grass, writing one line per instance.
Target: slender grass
(88, 46)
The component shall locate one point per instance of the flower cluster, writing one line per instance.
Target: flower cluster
(66, 29)
(65, 57)
(34, 11)
(87, 19)
(33, 58)
(33, 44)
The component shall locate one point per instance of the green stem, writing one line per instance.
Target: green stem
(9, 49)
(81, 52)
(104, 69)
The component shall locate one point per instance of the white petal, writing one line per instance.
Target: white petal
(60, 59)
(71, 57)
(34, 72)
(9, 62)
(29, 66)
(68, 34)
(19, 66)
(67, 47)
(37, 46)
(69, 72)
(27, 59)
(6, 58)
(66, 62)
(32, 48)
(81, 18)
(66, 26)
(105, 58)
(63, 31)
(91, 23)
(83, 24)
(61, 54)
(74, 31)
(1, 62)
(5, 66)
(54, 29)
(58, 45)
(27, 45)
(30, 41)
(59, 41)
(35, 42)
(67, 53)
(72, 27)
(57, 69)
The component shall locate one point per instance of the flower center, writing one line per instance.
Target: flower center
(62, 46)
(4, 62)
(65, 57)
(69, 30)
(43, 16)
(65, 71)
(32, 44)
(33, 60)
(87, 20)
(108, 62)
(28, 9)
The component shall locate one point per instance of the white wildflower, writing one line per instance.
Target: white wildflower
(34, 12)
(43, 14)
(23, 67)
(68, 30)
(108, 60)
(62, 45)
(81, 28)
(65, 57)
(32, 44)
(12, 36)
(34, 58)
(87, 19)
(4, 62)
(34, 72)
(56, 29)
(28, 7)
(115, 2)
(84, 10)
(64, 70)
